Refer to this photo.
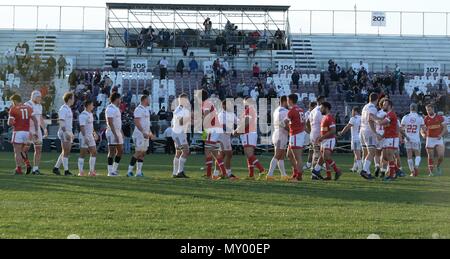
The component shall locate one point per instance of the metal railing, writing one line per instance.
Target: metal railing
(355, 22)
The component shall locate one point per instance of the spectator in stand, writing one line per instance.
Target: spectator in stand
(256, 70)
(163, 65)
(26, 47)
(207, 24)
(252, 50)
(162, 114)
(279, 40)
(296, 79)
(126, 128)
(193, 66)
(115, 64)
(185, 48)
(180, 67)
(51, 65)
(9, 56)
(216, 67)
(18, 57)
(62, 63)
(401, 83)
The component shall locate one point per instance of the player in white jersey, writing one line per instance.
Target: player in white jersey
(35, 104)
(368, 134)
(228, 120)
(141, 136)
(381, 166)
(411, 125)
(114, 134)
(355, 125)
(315, 120)
(87, 138)
(181, 125)
(65, 134)
(312, 106)
(280, 139)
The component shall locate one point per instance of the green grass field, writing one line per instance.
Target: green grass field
(160, 207)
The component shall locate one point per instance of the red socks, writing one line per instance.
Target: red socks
(430, 165)
(251, 168)
(221, 165)
(332, 164)
(255, 162)
(209, 163)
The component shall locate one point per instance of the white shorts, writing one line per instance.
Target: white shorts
(307, 139)
(212, 140)
(20, 137)
(391, 143)
(180, 140)
(297, 141)
(38, 141)
(434, 142)
(249, 139)
(141, 144)
(410, 145)
(65, 137)
(313, 137)
(225, 142)
(368, 139)
(112, 141)
(356, 145)
(87, 142)
(328, 144)
(280, 139)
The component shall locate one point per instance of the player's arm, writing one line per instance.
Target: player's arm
(345, 129)
(330, 133)
(111, 126)
(444, 130)
(138, 125)
(308, 126)
(44, 126)
(35, 122)
(11, 118)
(402, 131)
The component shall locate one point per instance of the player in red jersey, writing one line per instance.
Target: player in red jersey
(296, 121)
(248, 132)
(390, 139)
(214, 130)
(20, 116)
(327, 141)
(434, 131)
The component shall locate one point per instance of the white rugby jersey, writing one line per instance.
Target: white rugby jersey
(380, 128)
(65, 114)
(86, 119)
(279, 116)
(37, 113)
(356, 126)
(315, 119)
(370, 108)
(228, 120)
(143, 114)
(181, 113)
(113, 112)
(412, 123)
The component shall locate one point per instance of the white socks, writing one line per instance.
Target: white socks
(418, 159)
(81, 165)
(65, 162)
(139, 167)
(359, 165)
(281, 166)
(176, 163)
(92, 164)
(59, 161)
(181, 164)
(115, 166)
(411, 165)
(110, 169)
(273, 166)
(317, 168)
(229, 173)
(366, 166)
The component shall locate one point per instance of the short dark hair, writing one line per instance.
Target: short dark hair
(373, 97)
(357, 109)
(144, 97)
(87, 103)
(293, 98)
(313, 105)
(430, 106)
(388, 101)
(68, 96)
(114, 97)
(283, 99)
(321, 98)
(183, 95)
(15, 98)
(327, 105)
(146, 92)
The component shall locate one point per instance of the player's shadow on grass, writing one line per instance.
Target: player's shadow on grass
(249, 192)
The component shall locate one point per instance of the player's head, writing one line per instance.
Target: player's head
(16, 99)
(36, 97)
(145, 100)
(312, 105)
(115, 99)
(325, 108)
(89, 105)
(387, 105)
(321, 99)
(204, 95)
(373, 98)
(430, 109)
(356, 111)
(292, 99)
(248, 101)
(413, 107)
(69, 98)
(284, 101)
